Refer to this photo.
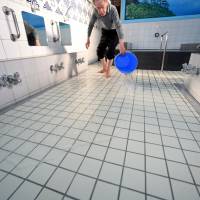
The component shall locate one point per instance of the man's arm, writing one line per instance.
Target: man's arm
(90, 27)
(91, 24)
(119, 30)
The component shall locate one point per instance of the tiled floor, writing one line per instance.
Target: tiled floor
(126, 138)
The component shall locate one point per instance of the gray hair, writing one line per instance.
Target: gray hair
(99, 0)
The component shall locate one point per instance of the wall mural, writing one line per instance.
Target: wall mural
(142, 9)
(79, 10)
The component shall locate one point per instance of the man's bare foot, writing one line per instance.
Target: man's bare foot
(101, 71)
(107, 74)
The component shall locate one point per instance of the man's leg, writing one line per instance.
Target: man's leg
(110, 54)
(108, 65)
(104, 65)
(101, 49)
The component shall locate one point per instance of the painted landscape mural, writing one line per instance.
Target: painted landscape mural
(142, 9)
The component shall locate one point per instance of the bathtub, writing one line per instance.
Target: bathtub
(152, 59)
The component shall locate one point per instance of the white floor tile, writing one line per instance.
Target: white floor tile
(179, 171)
(105, 191)
(42, 173)
(193, 158)
(111, 173)
(156, 166)
(86, 136)
(27, 190)
(184, 191)
(153, 138)
(60, 180)
(50, 195)
(97, 152)
(90, 167)
(10, 162)
(120, 132)
(2, 175)
(51, 140)
(72, 162)
(25, 167)
(54, 157)
(154, 150)
(107, 130)
(190, 145)
(139, 179)
(26, 148)
(9, 185)
(174, 154)
(118, 143)
(134, 160)
(195, 173)
(158, 186)
(126, 194)
(39, 152)
(101, 139)
(81, 187)
(65, 143)
(80, 147)
(115, 156)
(136, 135)
(135, 147)
(94, 119)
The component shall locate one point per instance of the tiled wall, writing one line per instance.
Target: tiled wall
(33, 62)
(192, 81)
(141, 35)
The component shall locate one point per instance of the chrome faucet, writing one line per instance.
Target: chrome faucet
(56, 67)
(190, 69)
(59, 67)
(9, 80)
(3, 81)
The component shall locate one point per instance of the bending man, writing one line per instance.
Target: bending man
(112, 33)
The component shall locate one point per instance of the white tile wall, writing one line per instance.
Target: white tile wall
(180, 31)
(12, 49)
(19, 90)
(6, 94)
(192, 81)
(24, 49)
(31, 74)
(33, 63)
(195, 59)
(2, 53)
(4, 33)
(43, 70)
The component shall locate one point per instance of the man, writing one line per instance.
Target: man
(112, 33)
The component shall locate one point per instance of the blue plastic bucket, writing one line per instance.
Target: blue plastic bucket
(126, 63)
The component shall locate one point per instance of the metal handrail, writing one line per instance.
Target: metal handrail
(55, 39)
(165, 47)
(7, 12)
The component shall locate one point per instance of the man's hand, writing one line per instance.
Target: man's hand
(87, 44)
(122, 48)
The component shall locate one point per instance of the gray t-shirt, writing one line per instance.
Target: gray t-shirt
(109, 21)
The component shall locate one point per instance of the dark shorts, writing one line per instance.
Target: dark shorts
(107, 45)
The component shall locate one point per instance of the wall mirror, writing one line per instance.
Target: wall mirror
(35, 29)
(65, 33)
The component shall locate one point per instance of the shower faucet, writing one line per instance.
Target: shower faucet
(14, 79)
(190, 69)
(60, 66)
(3, 81)
(56, 67)
(9, 80)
